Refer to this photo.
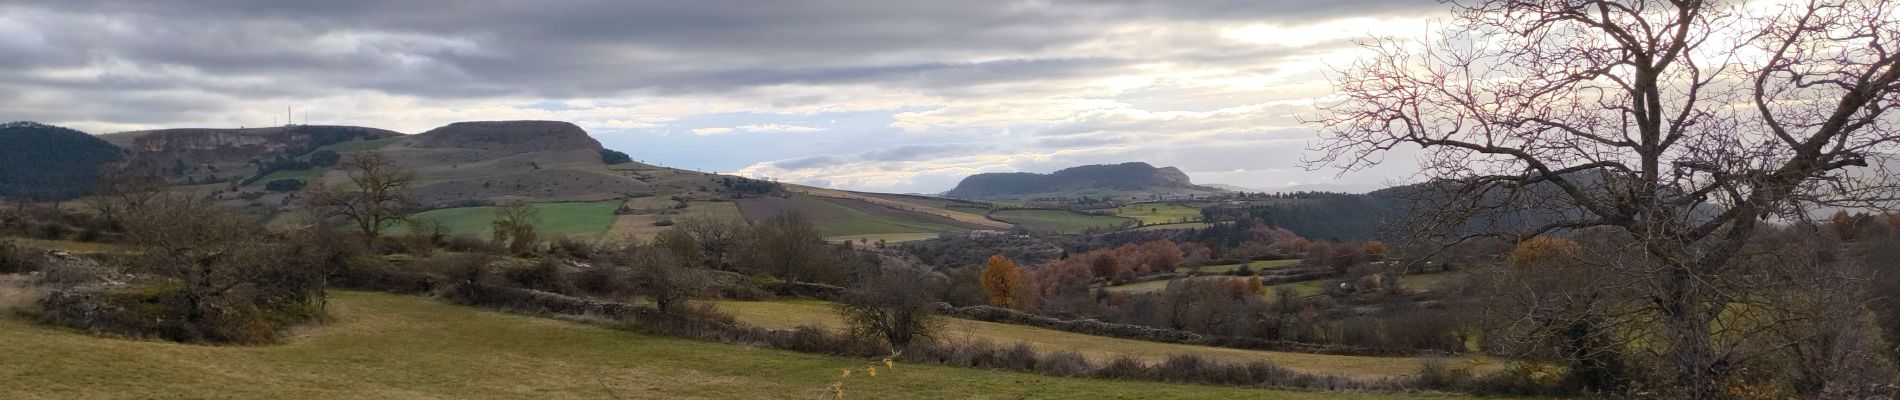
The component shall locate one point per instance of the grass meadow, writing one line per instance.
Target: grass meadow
(389, 346)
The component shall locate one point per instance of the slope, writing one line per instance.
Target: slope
(386, 346)
(45, 162)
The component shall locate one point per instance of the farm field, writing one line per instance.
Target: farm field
(1256, 265)
(1059, 221)
(578, 219)
(1159, 213)
(1185, 225)
(838, 217)
(69, 246)
(789, 314)
(643, 227)
(888, 238)
(953, 209)
(389, 346)
(1156, 286)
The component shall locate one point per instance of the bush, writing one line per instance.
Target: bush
(1063, 364)
(366, 272)
(19, 260)
(284, 185)
(543, 276)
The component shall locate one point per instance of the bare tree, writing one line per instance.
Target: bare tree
(376, 196)
(226, 267)
(1682, 124)
(125, 188)
(514, 226)
(897, 306)
(717, 238)
(789, 247)
(665, 270)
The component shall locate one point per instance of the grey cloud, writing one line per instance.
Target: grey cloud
(914, 152)
(462, 49)
(809, 162)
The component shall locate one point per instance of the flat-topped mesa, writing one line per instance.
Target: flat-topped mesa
(1132, 176)
(508, 136)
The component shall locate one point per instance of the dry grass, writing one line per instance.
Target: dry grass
(17, 294)
(788, 314)
(395, 347)
(70, 246)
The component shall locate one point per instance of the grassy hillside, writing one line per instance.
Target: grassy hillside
(841, 217)
(1059, 221)
(581, 219)
(386, 346)
(960, 210)
(788, 314)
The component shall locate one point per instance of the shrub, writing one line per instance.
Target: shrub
(18, 260)
(895, 307)
(1123, 367)
(366, 272)
(284, 185)
(1063, 364)
(543, 276)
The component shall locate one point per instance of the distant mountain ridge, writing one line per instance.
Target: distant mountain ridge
(1083, 180)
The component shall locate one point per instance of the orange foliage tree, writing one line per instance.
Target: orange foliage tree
(1542, 249)
(1004, 282)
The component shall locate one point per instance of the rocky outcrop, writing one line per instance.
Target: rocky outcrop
(217, 146)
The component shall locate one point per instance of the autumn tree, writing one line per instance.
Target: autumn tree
(1161, 256)
(1375, 250)
(1682, 124)
(1003, 282)
(1542, 250)
(1104, 265)
(376, 196)
(513, 226)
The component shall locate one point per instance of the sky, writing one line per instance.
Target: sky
(877, 95)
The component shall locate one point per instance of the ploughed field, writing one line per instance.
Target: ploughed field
(390, 346)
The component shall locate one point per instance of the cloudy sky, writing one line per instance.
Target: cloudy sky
(898, 96)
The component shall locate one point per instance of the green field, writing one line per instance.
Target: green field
(888, 238)
(1159, 213)
(838, 217)
(580, 219)
(355, 146)
(1059, 221)
(302, 175)
(386, 346)
(1185, 225)
(788, 314)
(1256, 265)
(1160, 285)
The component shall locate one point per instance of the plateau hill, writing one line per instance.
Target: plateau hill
(1133, 181)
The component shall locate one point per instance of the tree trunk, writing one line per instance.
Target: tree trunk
(1687, 317)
